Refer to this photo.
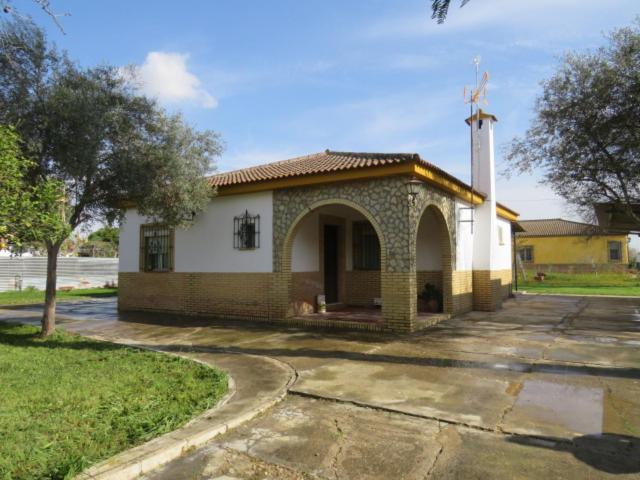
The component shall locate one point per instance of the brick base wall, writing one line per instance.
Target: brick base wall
(506, 280)
(242, 295)
(462, 291)
(433, 277)
(362, 286)
(305, 286)
(490, 288)
(256, 295)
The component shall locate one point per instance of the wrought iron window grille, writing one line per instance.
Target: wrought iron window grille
(246, 231)
(366, 247)
(156, 248)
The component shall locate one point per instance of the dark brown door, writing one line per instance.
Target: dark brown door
(331, 263)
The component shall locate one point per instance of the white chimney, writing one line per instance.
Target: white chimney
(485, 226)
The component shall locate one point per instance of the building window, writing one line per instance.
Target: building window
(246, 231)
(366, 247)
(615, 251)
(156, 248)
(526, 254)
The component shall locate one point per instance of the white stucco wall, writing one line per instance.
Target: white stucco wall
(464, 237)
(306, 244)
(503, 254)
(428, 248)
(208, 245)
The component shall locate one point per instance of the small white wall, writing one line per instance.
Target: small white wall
(428, 248)
(208, 245)
(464, 237)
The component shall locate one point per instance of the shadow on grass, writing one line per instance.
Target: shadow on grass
(90, 294)
(11, 334)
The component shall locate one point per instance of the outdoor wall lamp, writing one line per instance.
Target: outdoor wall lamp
(413, 188)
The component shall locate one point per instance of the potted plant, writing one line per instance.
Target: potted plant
(322, 304)
(430, 299)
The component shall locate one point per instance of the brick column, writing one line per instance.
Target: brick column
(399, 300)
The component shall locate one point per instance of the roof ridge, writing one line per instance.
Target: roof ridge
(559, 219)
(372, 154)
(262, 165)
(541, 219)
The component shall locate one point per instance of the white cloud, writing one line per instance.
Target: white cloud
(164, 75)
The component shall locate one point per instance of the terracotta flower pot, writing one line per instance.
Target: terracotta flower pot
(429, 306)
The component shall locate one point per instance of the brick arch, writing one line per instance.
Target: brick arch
(287, 244)
(446, 249)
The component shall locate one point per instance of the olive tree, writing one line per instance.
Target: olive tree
(440, 9)
(107, 145)
(585, 136)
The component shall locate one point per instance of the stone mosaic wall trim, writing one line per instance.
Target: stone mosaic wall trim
(385, 199)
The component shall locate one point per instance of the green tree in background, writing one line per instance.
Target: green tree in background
(585, 136)
(106, 234)
(90, 131)
(101, 243)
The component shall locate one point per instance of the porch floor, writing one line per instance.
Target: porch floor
(364, 315)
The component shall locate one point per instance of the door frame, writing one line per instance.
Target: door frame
(342, 258)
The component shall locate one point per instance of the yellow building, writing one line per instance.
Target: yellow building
(565, 246)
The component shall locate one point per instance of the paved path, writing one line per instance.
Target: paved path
(547, 387)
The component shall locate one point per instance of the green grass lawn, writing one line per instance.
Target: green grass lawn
(582, 284)
(67, 402)
(27, 296)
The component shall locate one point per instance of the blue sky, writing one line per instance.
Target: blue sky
(282, 78)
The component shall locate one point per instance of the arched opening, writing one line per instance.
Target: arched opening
(335, 250)
(433, 264)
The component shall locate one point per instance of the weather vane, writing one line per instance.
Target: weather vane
(473, 97)
(480, 90)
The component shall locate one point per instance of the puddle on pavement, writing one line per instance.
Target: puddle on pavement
(579, 409)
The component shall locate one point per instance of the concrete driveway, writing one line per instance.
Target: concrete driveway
(547, 387)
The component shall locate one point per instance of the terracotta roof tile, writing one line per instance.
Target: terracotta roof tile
(557, 227)
(317, 163)
(327, 162)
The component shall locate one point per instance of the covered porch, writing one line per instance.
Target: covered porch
(338, 255)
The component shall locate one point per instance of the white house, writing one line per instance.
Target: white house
(362, 229)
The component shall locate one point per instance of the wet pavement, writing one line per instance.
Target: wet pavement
(547, 387)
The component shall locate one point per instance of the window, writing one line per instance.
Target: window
(500, 235)
(366, 247)
(526, 254)
(156, 248)
(615, 251)
(246, 231)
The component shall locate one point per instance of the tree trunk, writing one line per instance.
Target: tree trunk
(49, 314)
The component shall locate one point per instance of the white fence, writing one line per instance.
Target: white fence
(72, 272)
